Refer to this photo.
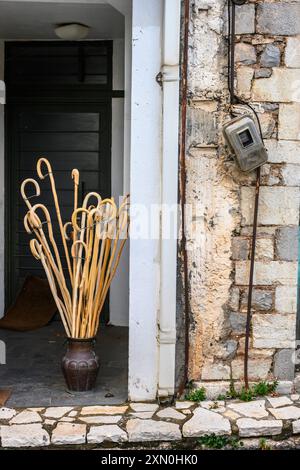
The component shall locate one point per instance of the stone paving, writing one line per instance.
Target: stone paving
(277, 418)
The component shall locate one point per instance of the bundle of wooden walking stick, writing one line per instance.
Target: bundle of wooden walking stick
(92, 243)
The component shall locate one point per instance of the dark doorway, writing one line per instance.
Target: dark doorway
(58, 106)
(59, 97)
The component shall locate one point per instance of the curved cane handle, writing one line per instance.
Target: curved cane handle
(35, 248)
(74, 217)
(44, 161)
(78, 242)
(88, 196)
(67, 224)
(37, 220)
(75, 176)
(23, 193)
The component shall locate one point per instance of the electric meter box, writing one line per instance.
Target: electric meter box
(244, 139)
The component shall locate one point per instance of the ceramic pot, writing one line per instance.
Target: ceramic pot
(80, 364)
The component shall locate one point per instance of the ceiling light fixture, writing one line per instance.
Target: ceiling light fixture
(72, 31)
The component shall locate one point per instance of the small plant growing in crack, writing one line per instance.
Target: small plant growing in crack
(197, 394)
(222, 397)
(211, 441)
(214, 405)
(260, 389)
(263, 445)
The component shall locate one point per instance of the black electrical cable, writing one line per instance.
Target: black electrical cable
(236, 100)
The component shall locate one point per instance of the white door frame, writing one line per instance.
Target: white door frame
(153, 181)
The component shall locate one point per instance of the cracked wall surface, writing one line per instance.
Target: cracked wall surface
(221, 196)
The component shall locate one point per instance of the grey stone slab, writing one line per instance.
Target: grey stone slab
(278, 18)
(286, 243)
(284, 367)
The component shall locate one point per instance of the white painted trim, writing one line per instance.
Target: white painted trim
(170, 125)
(123, 6)
(145, 173)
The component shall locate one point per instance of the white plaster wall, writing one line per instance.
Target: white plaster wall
(119, 291)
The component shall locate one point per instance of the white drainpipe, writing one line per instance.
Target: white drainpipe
(170, 73)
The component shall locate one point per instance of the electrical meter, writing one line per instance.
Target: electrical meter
(243, 137)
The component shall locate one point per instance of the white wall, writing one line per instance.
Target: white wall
(119, 295)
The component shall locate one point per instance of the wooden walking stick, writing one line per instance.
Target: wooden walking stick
(96, 247)
(58, 269)
(56, 203)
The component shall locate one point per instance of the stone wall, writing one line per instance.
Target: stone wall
(268, 75)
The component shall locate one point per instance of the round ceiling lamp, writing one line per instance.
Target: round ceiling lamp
(72, 31)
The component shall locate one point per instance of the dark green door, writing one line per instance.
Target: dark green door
(59, 107)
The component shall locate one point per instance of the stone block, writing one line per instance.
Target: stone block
(69, 433)
(202, 127)
(7, 413)
(103, 410)
(274, 331)
(281, 87)
(245, 19)
(234, 299)
(268, 125)
(283, 151)
(277, 402)
(237, 322)
(206, 422)
(24, 435)
(284, 387)
(289, 121)
(258, 368)
(244, 76)
(213, 389)
(106, 419)
(215, 371)
(261, 299)
(57, 411)
(141, 407)
(245, 54)
(26, 417)
(266, 273)
(292, 52)
(286, 243)
(170, 413)
(287, 412)
(277, 206)
(142, 414)
(291, 175)
(254, 409)
(262, 73)
(227, 350)
(280, 19)
(107, 433)
(284, 367)
(240, 248)
(270, 56)
(296, 427)
(286, 299)
(250, 427)
(264, 249)
(140, 430)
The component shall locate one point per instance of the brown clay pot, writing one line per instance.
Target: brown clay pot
(80, 364)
